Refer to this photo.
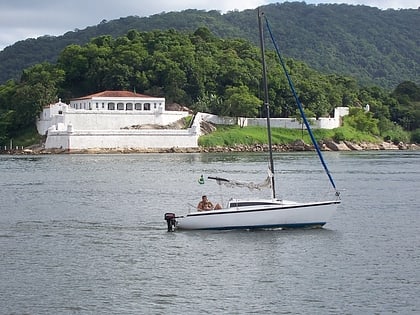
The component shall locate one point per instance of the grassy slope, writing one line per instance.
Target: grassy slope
(234, 135)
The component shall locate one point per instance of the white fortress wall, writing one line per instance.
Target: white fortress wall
(103, 120)
(93, 120)
(290, 123)
(328, 123)
(217, 120)
(51, 115)
(109, 120)
(112, 139)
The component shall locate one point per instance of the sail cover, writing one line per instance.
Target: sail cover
(241, 184)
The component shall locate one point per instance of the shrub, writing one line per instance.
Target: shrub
(339, 135)
(396, 134)
(415, 136)
(362, 121)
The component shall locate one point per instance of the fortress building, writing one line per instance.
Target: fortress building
(127, 120)
(114, 119)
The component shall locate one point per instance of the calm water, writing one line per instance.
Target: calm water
(84, 234)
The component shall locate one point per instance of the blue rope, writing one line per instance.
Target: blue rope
(318, 150)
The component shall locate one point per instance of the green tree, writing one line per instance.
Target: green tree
(45, 80)
(407, 90)
(208, 103)
(240, 102)
(76, 66)
(362, 120)
(407, 109)
(21, 103)
(415, 136)
(7, 114)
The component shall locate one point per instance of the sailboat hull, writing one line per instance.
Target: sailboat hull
(273, 215)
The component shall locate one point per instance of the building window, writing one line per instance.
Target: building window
(120, 106)
(129, 106)
(137, 106)
(97, 105)
(146, 106)
(111, 106)
(103, 105)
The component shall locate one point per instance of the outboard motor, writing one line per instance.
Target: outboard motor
(170, 220)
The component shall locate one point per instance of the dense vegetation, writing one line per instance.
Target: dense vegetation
(205, 73)
(376, 47)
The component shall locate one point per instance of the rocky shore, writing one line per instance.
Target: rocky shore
(325, 146)
(296, 146)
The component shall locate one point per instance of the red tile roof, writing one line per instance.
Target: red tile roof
(113, 94)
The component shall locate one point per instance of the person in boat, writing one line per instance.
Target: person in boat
(205, 205)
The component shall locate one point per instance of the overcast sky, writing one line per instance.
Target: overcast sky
(22, 19)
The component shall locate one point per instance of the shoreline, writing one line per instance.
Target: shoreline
(297, 146)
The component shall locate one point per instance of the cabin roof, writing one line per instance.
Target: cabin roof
(113, 94)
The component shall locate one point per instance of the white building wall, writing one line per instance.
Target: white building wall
(50, 116)
(43, 125)
(61, 113)
(114, 120)
(289, 123)
(217, 120)
(327, 123)
(101, 103)
(70, 128)
(79, 140)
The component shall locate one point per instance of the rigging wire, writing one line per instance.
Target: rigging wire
(300, 107)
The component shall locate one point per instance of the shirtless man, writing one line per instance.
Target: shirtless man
(205, 205)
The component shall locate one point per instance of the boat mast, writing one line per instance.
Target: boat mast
(266, 104)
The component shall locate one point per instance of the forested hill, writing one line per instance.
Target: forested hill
(375, 46)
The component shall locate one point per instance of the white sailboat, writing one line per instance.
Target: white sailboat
(261, 213)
